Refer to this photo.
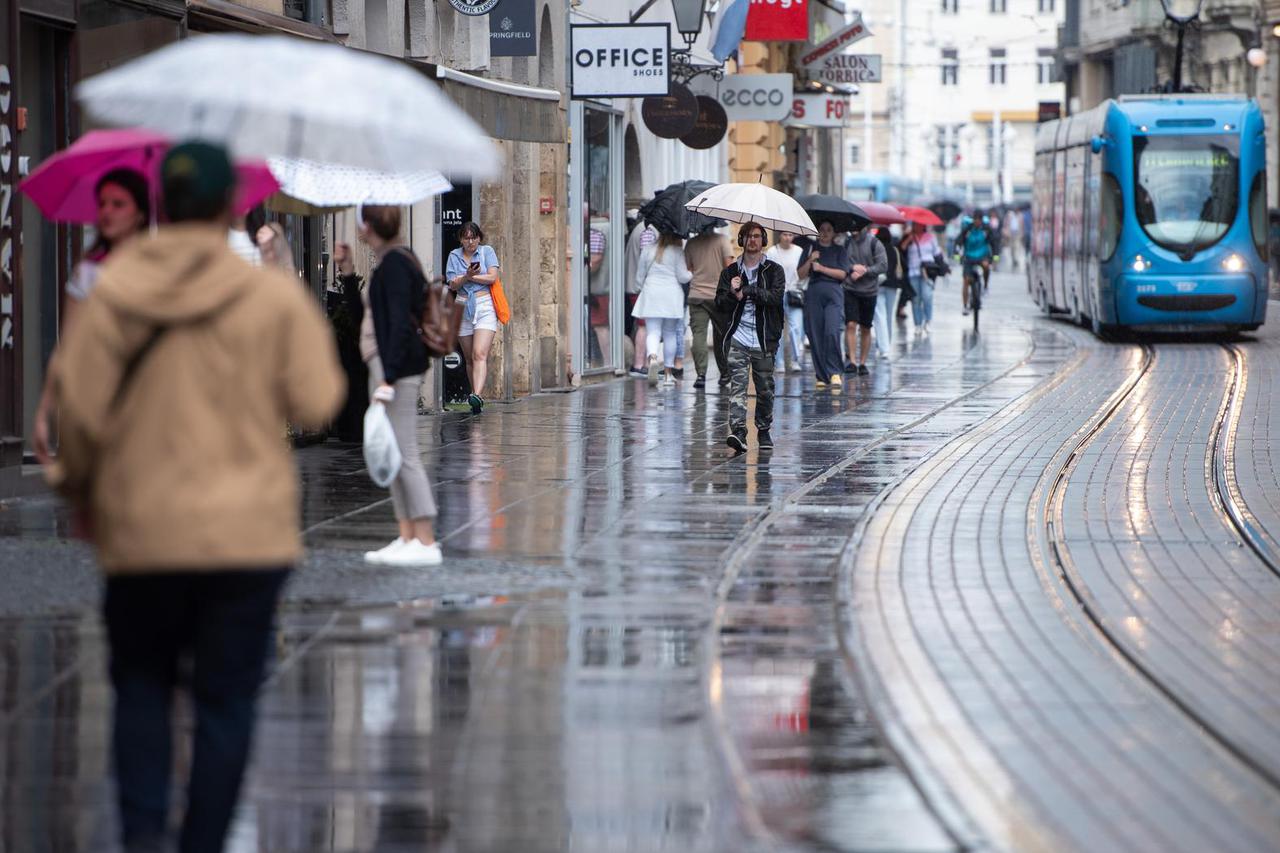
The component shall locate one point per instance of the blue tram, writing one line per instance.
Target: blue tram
(1150, 213)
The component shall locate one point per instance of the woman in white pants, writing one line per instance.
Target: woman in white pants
(887, 299)
(664, 274)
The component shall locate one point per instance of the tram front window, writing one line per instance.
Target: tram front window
(1187, 189)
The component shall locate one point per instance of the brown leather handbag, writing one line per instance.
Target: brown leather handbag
(441, 313)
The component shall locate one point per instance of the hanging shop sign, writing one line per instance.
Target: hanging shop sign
(756, 97)
(474, 8)
(619, 60)
(711, 126)
(670, 116)
(835, 43)
(777, 20)
(513, 28)
(818, 110)
(846, 68)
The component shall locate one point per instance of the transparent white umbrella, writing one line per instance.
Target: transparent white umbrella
(327, 186)
(275, 96)
(754, 203)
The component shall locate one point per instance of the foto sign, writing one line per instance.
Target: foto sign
(777, 20)
(756, 97)
(836, 42)
(819, 110)
(845, 68)
(619, 60)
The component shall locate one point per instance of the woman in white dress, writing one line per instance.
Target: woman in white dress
(788, 256)
(661, 304)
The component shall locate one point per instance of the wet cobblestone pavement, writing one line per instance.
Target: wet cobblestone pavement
(1015, 590)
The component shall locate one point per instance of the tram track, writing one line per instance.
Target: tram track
(1049, 540)
(1220, 468)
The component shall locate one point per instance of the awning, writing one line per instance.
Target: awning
(225, 15)
(505, 110)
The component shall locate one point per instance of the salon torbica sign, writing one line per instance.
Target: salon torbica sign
(620, 60)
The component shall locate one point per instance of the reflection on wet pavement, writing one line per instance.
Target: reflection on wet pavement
(631, 646)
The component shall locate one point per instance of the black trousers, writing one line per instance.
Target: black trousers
(224, 621)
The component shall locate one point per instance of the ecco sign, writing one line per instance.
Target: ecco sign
(756, 97)
(619, 60)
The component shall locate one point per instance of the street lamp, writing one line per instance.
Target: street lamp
(689, 15)
(1180, 13)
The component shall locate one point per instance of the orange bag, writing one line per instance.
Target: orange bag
(501, 306)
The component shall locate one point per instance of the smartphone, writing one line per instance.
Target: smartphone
(475, 265)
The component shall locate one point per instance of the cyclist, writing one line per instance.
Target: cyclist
(973, 246)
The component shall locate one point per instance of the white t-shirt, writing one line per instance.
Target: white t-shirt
(745, 334)
(242, 244)
(84, 276)
(789, 260)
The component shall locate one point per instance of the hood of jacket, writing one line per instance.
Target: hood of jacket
(180, 274)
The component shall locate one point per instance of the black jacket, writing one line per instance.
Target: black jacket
(397, 297)
(767, 293)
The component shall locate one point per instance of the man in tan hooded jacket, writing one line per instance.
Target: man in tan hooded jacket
(174, 388)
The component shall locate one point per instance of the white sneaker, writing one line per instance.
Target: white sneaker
(654, 369)
(965, 312)
(380, 555)
(414, 553)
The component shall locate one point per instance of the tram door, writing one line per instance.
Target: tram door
(1089, 244)
(1058, 266)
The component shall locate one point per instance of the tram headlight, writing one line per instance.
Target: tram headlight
(1140, 264)
(1233, 263)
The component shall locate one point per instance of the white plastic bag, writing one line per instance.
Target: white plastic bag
(381, 453)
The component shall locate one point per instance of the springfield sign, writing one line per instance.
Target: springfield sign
(847, 68)
(620, 60)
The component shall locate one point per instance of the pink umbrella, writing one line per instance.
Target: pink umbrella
(881, 213)
(63, 185)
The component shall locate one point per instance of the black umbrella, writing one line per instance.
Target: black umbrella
(945, 208)
(666, 210)
(843, 215)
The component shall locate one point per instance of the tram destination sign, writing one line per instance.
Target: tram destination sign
(846, 68)
(620, 60)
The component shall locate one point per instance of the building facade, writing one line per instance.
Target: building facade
(963, 82)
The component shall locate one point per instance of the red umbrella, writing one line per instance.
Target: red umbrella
(920, 215)
(881, 213)
(63, 185)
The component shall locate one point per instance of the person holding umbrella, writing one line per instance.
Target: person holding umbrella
(826, 267)
(750, 295)
(124, 209)
(923, 254)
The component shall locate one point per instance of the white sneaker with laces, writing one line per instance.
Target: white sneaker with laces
(414, 553)
(380, 555)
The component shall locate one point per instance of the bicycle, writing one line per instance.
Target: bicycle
(975, 276)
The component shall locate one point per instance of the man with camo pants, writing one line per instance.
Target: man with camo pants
(750, 293)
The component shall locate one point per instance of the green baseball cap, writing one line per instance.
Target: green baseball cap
(197, 176)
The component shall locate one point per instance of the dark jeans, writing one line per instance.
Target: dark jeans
(824, 324)
(224, 621)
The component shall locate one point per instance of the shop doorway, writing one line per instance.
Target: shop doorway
(597, 223)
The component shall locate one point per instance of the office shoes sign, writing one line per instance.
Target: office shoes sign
(777, 20)
(846, 68)
(620, 60)
(756, 97)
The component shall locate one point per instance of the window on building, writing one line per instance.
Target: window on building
(999, 66)
(999, 7)
(950, 66)
(993, 157)
(855, 155)
(1046, 66)
(1046, 6)
(950, 7)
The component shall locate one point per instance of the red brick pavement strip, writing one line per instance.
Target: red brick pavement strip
(1154, 556)
(1021, 725)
